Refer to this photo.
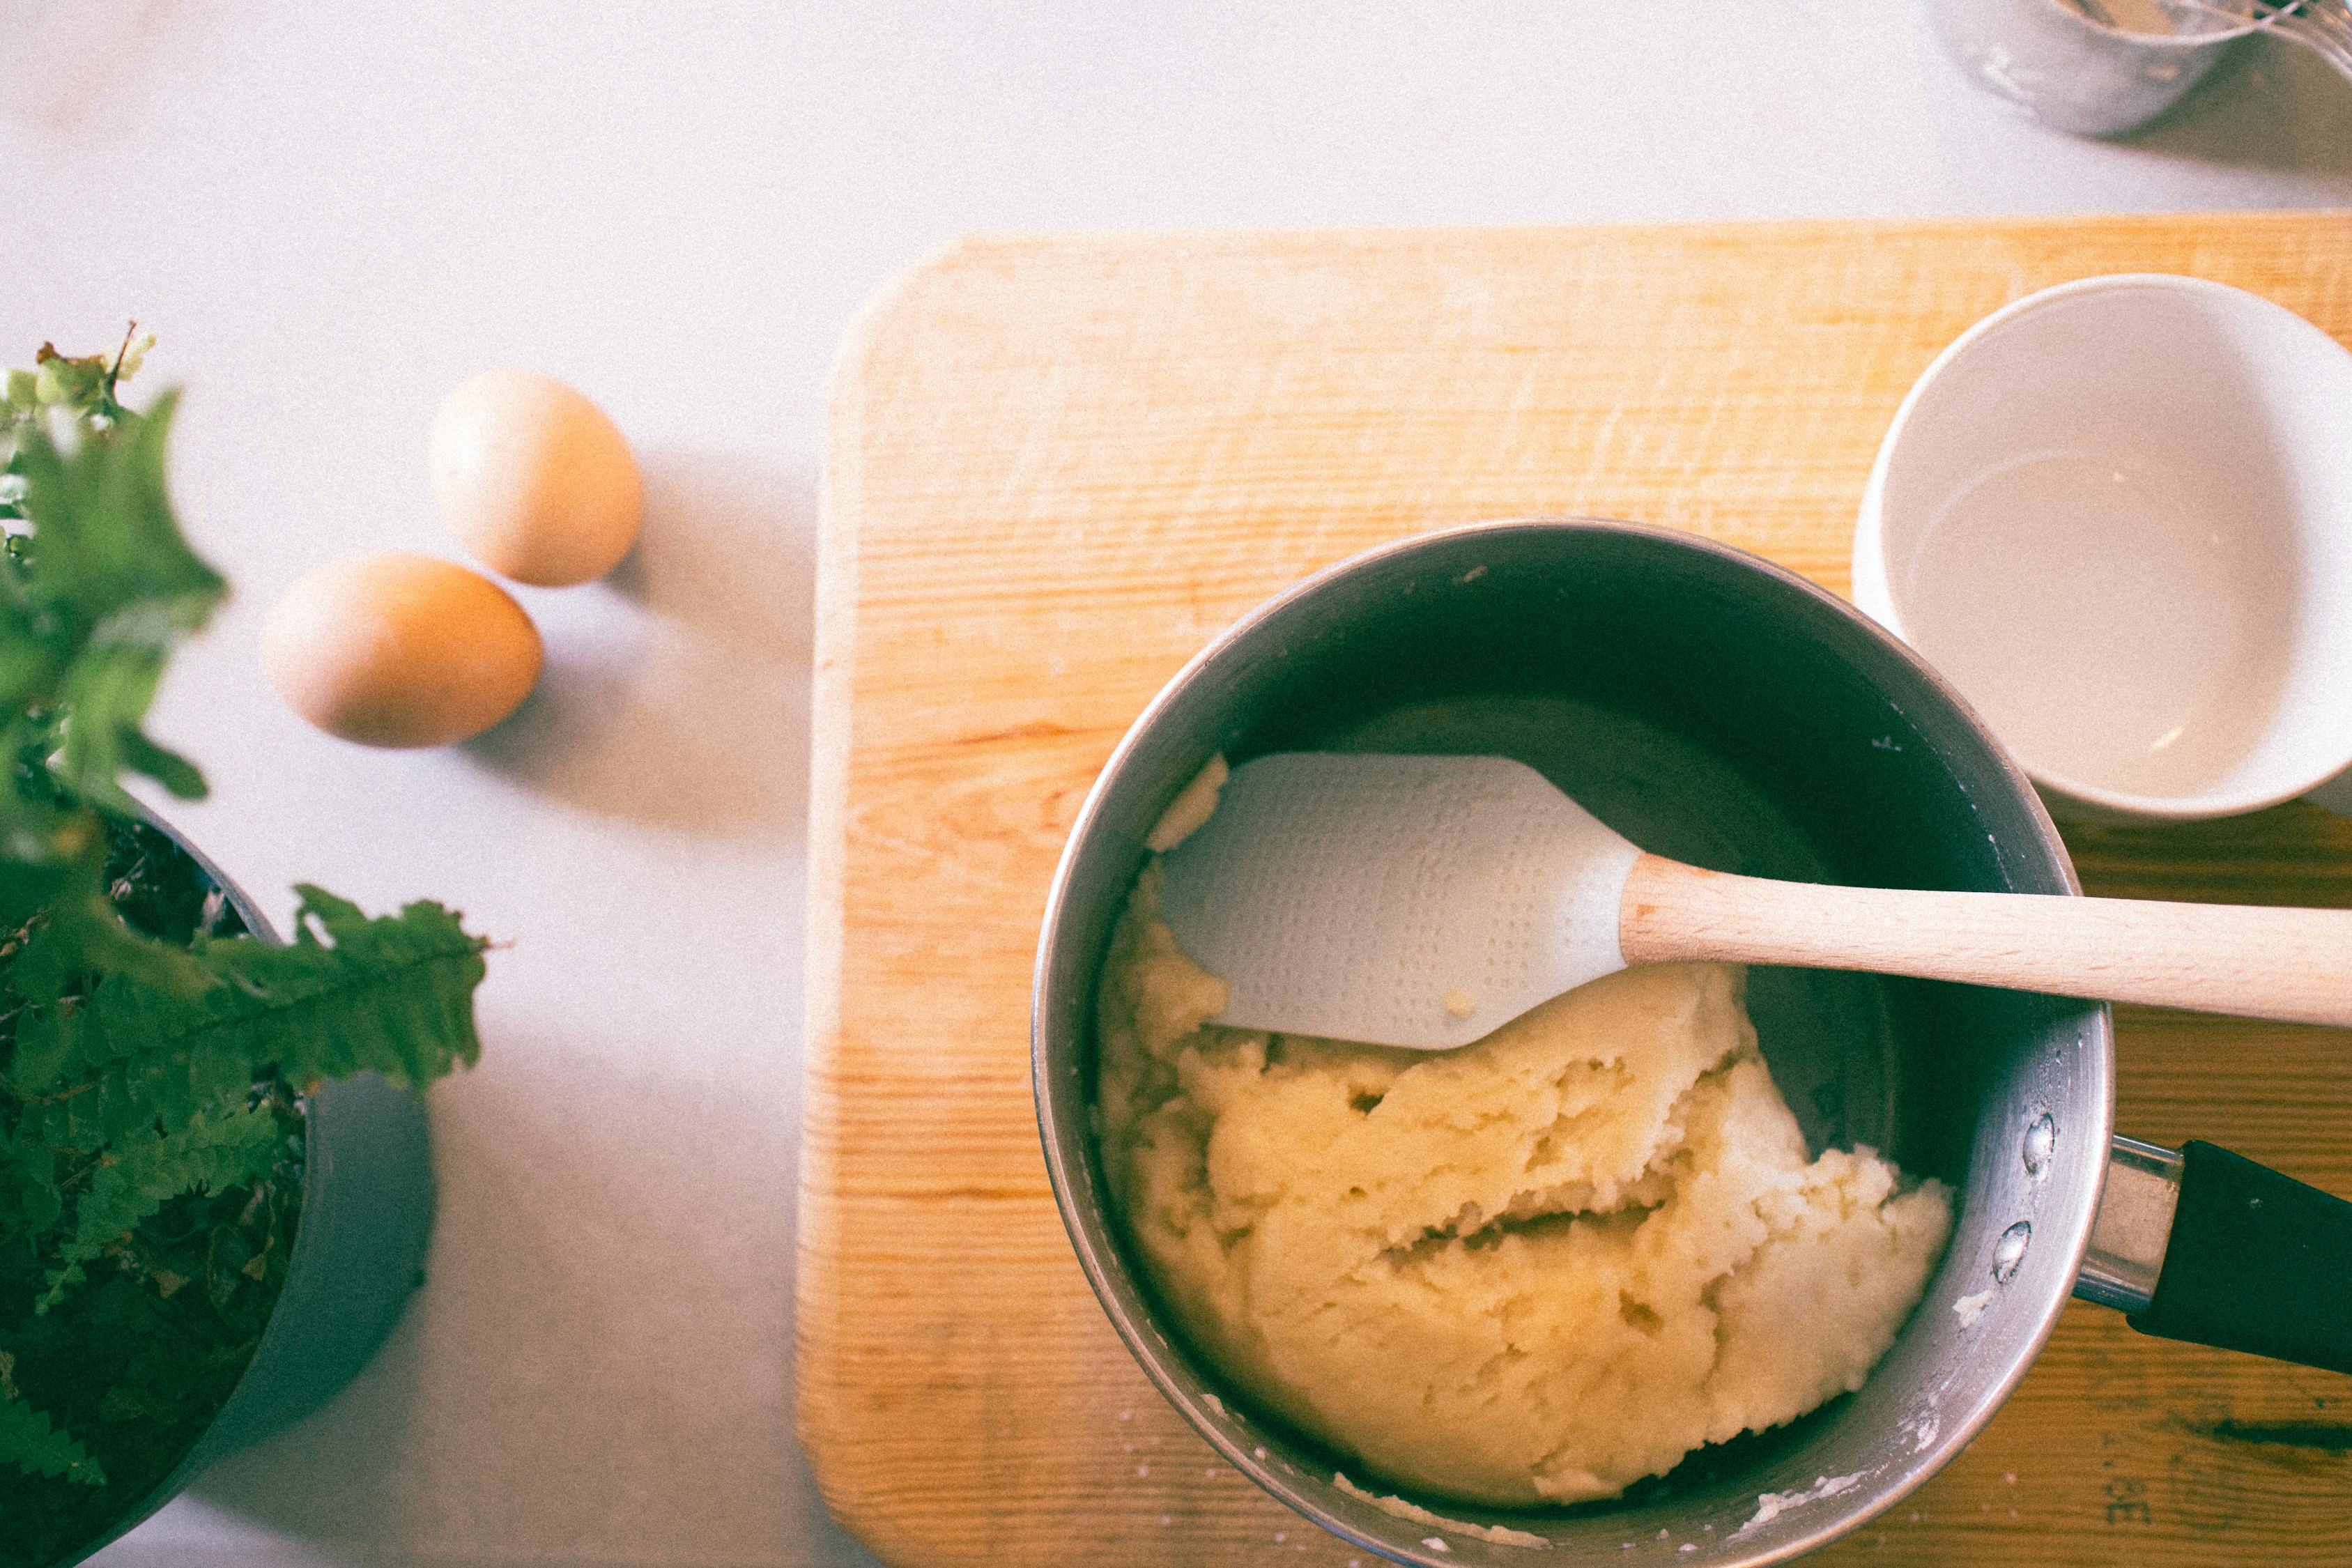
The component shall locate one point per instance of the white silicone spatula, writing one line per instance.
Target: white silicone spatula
(1423, 901)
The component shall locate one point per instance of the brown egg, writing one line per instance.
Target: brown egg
(399, 650)
(532, 478)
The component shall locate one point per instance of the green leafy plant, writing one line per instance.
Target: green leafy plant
(154, 1057)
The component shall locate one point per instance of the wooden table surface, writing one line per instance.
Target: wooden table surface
(1058, 465)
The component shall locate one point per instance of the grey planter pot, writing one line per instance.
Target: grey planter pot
(359, 1251)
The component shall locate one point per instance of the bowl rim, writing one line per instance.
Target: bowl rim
(1155, 1359)
(2163, 42)
(1872, 576)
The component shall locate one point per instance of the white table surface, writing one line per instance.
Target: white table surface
(333, 213)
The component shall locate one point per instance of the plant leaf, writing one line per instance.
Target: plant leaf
(392, 995)
(213, 1152)
(111, 586)
(29, 1442)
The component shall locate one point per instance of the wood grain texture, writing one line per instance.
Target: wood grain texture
(2252, 961)
(1057, 466)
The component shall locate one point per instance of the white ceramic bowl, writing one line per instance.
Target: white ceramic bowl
(2118, 515)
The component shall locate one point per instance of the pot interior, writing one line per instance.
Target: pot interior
(1720, 712)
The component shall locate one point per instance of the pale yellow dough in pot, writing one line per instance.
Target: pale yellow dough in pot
(1537, 1268)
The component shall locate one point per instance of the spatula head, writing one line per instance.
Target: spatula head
(1417, 901)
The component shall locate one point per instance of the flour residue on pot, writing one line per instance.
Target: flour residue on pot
(1193, 804)
(1770, 1505)
(1501, 1535)
(1969, 1309)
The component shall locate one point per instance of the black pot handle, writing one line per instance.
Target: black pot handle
(2251, 1260)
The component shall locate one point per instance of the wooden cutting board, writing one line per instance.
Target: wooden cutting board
(1058, 465)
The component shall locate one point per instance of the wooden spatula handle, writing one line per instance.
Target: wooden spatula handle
(2215, 958)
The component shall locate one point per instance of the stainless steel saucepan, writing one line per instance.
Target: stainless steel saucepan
(1724, 713)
